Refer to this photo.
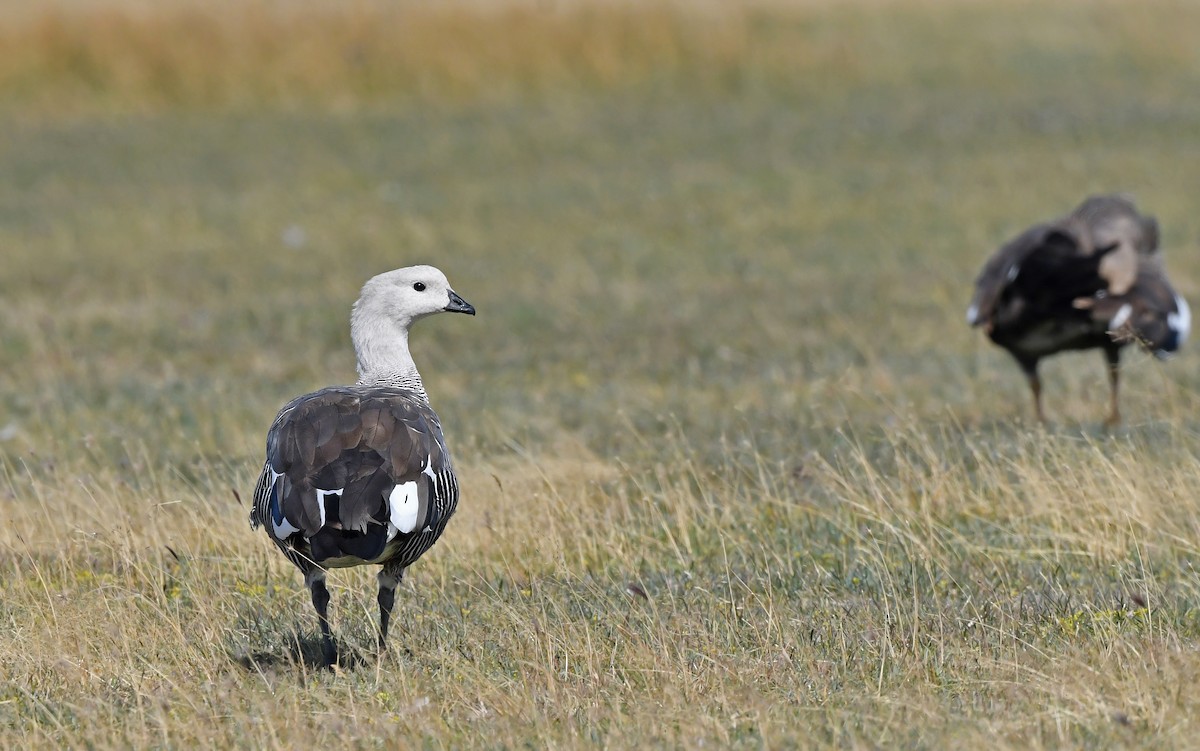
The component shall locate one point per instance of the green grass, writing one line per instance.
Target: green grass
(720, 360)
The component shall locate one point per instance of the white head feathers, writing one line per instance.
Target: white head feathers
(388, 305)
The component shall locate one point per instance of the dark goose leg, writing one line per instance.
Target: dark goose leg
(1035, 386)
(315, 580)
(389, 579)
(1112, 356)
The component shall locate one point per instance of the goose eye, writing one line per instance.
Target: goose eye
(419, 286)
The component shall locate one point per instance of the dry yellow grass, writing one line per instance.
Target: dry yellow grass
(97, 56)
(251, 53)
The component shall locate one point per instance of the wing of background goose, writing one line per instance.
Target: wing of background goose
(1043, 272)
(1061, 270)
(1000, 271)
(1138, 301)
(358, 443)
(1151, 312)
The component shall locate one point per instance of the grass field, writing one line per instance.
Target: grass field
(735, 471)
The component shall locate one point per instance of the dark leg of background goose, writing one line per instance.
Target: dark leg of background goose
(389, 579)
(1035, 385)
(315, 580)
(1112, 356)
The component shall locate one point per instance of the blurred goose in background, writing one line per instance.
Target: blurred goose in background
(360, 474)
(1092, 279)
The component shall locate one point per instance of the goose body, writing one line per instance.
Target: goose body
(1090, 280)
(360, 474)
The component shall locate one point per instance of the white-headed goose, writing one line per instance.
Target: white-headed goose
(1092, 279)
(360, 474)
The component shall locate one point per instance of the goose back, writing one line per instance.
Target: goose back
(1082, 281)
(355, 474)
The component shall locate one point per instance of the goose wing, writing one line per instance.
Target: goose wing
(354, 460)
(1043, 273)
(1151, 313)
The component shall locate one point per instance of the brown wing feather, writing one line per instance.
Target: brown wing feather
(361, 441)
(1001, 269)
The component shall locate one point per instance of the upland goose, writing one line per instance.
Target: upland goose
(360, 474)
(1092, 279)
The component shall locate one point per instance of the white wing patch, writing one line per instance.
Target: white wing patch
(1181, 321)
(405, 505)
(321, 496)
(284, 529)
(1121, 317)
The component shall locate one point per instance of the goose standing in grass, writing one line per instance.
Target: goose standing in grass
(1092, 279)
(360, 474)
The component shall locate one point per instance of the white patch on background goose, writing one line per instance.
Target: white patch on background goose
(405, 504)
(1121, 317)
(321, 496)
(973, 315)
(1180, 321)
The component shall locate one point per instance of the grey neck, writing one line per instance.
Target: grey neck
(383, 358)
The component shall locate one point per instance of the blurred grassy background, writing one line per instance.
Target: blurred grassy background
(721, 258)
